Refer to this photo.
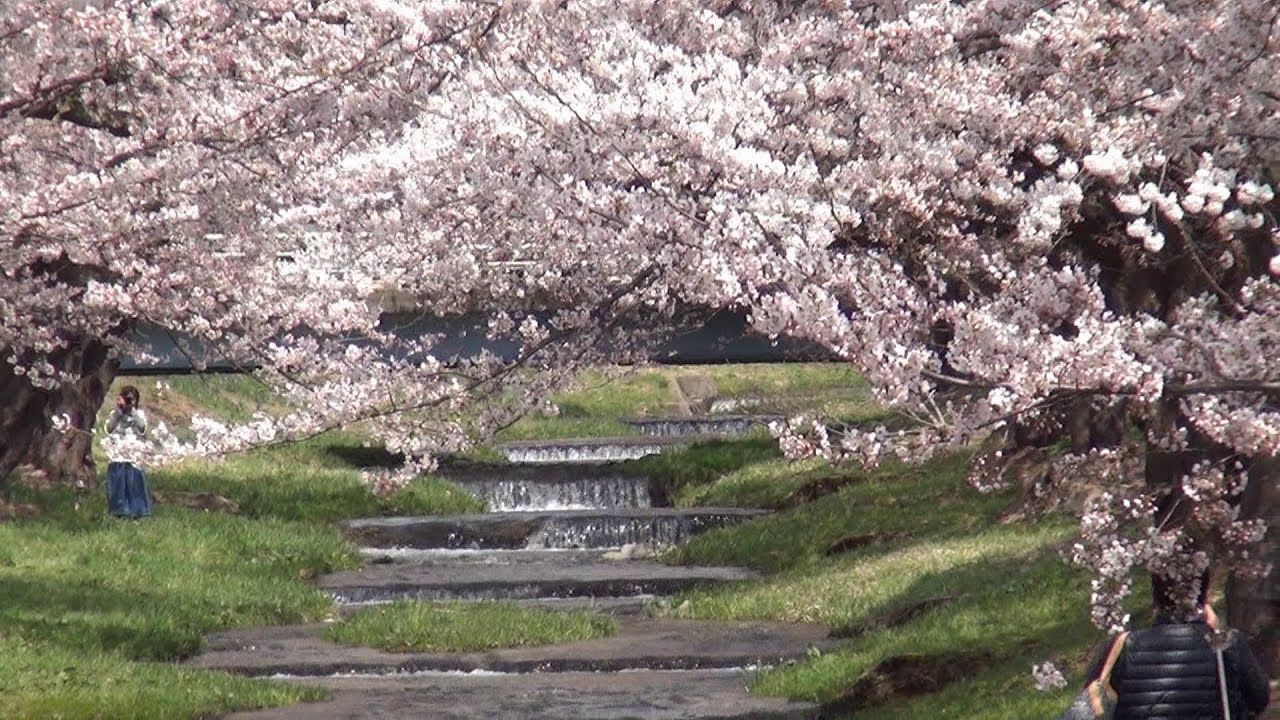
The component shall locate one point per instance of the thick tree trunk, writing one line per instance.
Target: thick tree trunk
(1253, 604)
(26, 414)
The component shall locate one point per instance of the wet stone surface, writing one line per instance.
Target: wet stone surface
(590, 450)
(545, 575)
(706, 695)
(721, 425)
(596, 528)
(641, 643)
(568, 532)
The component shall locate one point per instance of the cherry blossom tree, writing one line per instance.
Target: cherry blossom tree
(1048, 222)
(197, 166)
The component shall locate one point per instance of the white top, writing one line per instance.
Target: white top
(134, 422)
(125, 432)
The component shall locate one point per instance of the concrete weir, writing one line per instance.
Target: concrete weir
(568, 530)
(640, 644)
(551, 577)
(587, 450)
(552, 486)
(678, 695)
(704, 426)
(596, 528)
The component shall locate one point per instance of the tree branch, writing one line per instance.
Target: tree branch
(1171, 389)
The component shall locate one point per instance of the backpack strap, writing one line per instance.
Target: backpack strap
(1103, 683)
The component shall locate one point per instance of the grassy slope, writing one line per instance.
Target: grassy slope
(316, 480)
(599, 402)
(94, 610)
(85, 652)
(1008, 600)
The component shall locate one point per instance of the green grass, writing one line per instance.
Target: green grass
(781, 378)
(317, 480)
(1000, 690)
(596, 406)
(927, 501)
(457, 626)
(679, 474)
(94, 611)
(641, 391)
(43, 683)
(938, 577)
(538, 427)
(828, 390)
(599, 401)
(95, 608)
(174, 398)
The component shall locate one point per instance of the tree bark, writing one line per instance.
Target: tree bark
(1253, 604)
(26, 413)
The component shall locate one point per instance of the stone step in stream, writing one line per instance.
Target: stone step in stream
(567, 530)
(552, 575)
(656, 435)
(671, 695)
(572, 486)
(590, 450)
(550, 529)
(640, 644)
(701, 425)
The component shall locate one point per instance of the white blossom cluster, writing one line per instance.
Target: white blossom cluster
(1048, 677)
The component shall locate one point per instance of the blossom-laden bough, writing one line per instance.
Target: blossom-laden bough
(1053, 221)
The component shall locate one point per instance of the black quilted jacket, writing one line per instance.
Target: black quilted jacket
(1169, 672)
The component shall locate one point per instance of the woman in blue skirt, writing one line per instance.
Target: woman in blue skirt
(127, 494)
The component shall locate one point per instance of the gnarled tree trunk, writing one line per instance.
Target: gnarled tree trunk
(26, 413)
(1253, 604)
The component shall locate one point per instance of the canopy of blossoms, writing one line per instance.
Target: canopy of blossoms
(1005, 214)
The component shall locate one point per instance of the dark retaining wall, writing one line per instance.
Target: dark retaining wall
(723, 338)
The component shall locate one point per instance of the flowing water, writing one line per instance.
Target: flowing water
(568, 532)
(560, 493)
(707, 426)
(548, 453)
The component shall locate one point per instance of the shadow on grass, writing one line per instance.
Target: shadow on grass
(281, 494)
(359, 457)
(150, 589)
(942, 628)
(296, 490)
(930, 503)
(701, 464)
(88, 616)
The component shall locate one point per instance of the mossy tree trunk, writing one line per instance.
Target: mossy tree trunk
(1253, 604)
(26, 414)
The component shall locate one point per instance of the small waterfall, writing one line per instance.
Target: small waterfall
(734, 404)
(468, 558)
(601, 491)
(612, 532)
(543, 530)
(706, 426)
(580, 452)
(621, 587)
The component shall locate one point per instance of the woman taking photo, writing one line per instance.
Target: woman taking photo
(127, 494)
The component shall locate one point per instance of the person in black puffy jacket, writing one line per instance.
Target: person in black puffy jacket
(1170, 672)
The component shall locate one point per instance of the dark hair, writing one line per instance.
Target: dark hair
(130, 393)
(1166, 591)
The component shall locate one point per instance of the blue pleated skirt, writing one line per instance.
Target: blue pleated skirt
(127, 494)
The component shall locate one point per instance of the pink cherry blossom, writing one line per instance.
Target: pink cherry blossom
(944, 197)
